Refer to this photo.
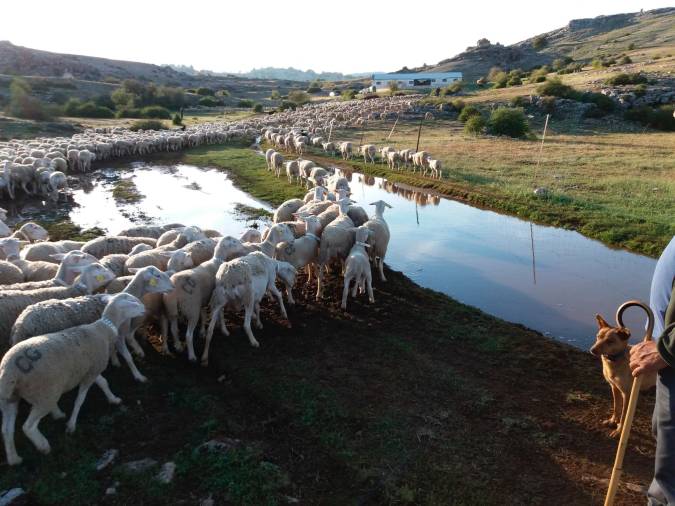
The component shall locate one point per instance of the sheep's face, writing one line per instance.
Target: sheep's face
(3, 214)
(35, 232)
(127, 304)
(77, 259)
(96, 276)
(362, 233)
(156, 281)
(10, 248)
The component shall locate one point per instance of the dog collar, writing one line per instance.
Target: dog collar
(616, 356)
(109, 324)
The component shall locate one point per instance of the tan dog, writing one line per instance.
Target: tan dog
(611, 343)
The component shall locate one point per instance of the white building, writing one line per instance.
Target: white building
(416, 80)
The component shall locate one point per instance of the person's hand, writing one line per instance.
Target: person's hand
(645, 359)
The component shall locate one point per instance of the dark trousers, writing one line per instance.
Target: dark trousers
(662, 489)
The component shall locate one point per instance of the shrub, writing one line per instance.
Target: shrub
(128, 112)
(209, 102)
(287, 104)
(468, 112)
(500, 80)
(147, 124)
(458, 105)
(660, 119)
(223, 93)
(453, 88)
(393, 87)
(518, 102)
(246, 103)
(604, 103)
(514, 81)
(348, 95)
(640, 90)
(555, 88)
(205, 92)
(23, 105)
(625, 60)
(298, 97)
(275, 95)
(561, 63)
(631, 46)
(177, 119)
(86, 110)
(314, 87)
(258, 108)
(475, 125)
(155, 112)
(508, 121)
(624, 78)
(539, 42)
(548, 104)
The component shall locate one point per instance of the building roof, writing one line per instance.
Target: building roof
(416, 75)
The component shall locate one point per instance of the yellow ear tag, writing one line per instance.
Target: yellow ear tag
(152, 282)
(100, 278)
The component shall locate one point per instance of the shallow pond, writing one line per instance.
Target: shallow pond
(546, 278)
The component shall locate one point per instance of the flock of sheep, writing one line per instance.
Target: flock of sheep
(68, 308)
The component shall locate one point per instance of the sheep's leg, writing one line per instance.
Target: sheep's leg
(203, 318)
(124, 351)
(289, 295)
(256, 316)
(164, 331)
(345, 292)
(57, 414)
(176, 338)
(131, 339)
(216, 314)
(247, 325)
(9, 412)
(380, 265)
(105, 388)
(369, 285)
(30, 428)
(275, 291)
(319, 282)
(189, 339)
(79, 400)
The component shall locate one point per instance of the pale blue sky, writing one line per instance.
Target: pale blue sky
(344, 36)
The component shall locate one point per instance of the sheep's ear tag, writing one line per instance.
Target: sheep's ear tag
(100, 278)
(152, 282)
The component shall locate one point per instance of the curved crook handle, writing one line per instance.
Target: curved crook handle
(637, 303)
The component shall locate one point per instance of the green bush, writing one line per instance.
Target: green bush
(128, 112)
(625, 60)
(555, 88)
(209, 102)
(660, 118)
(298, 97)
(177, 119)
(604, 103)
(87, 110)
(625, 78)
(155, 112)
(258, 108)
(561, 63)
(468, 112)
(508, 121)
(539, 42)
(246, 103)
(314, 87)
(205, 92)
(453, 88)
(23, 105)
(500, 80)
(147, 124)
(475, 125)
(223, 93)
(458, 104)
(275, 95)
(348, 95)
(514, 81)
(640, 90)
(287, 104)
(518, 102)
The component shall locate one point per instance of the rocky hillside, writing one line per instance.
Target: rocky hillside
(640, 34)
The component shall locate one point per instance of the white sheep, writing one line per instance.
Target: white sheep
(251, 235)
(107, 245)
(285, 211)
(292, 170)
(368, 151)
(303, 251)
(43, 251)
(71, 266)
(357, 268)
(41, 369)
(379, 237)
(337, 240)
(31, 232)
(277, 163)
(346, 149)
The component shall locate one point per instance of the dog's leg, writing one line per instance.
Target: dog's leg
(616, 407)
(624, 407)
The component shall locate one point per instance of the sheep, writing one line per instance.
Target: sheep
(329, 147)
(242, 283)
(154, 231)
(140, 248)
(317, 176)
(10, 273)
(180, 236)
(5, 231)
(85, 157)
(420, 160)
(57, 181)
(43, 251)
(155, 257)
(13, 302)
(31, 232)
(192, 291)
(71, 266)
(379, 237)
(358, 215)
(357, 268)
(316, 194)
(73, 158)
(277, 233)
(292, 170)
(303, 251)
(107, 245)
(32, 271)
(337, 240)
(277, 163)
(346, 149)
(251, 235)
(285, 211)
(335, 183)
(115, 263)
(268, 158)
(200, 251)
(393, 160)
(368, 151)
(42, 368)
(305, 167)
(435, 167)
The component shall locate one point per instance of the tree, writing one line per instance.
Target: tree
(275, 95)
(483, 42)
(22, 104)
(122, 98)
(393, 87)
(539, 42)
(298, 97)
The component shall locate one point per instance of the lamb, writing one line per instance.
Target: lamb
(85, 157)
(71, 266)
(43, 251)
(337, 240)
(435, 167)
(156, 257)
(278, 233)
(268, 158)
(251, 235)
(179, 237)
(368, 151)
(379, 237)
(31, 232)
(57, 181)
(285, 211)
(277, 163)
(10, 273)
(357, 268)
(42, 368)
(303, 251)
(199, 251)
(115, 263)
(292, 170)
(107, 245)
(346, 149)
(242, 283)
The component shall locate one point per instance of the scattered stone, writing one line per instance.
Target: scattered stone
(166, 473)
(635, 487)
(139, 466)
(111, 491)
(291, 500)
(7, 497)
(107, 458)
(207, 502)
(220, 445)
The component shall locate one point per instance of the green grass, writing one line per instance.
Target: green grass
(125, 192)
(250, 212)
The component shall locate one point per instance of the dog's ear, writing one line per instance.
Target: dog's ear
(601, 322)
(624, 333)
